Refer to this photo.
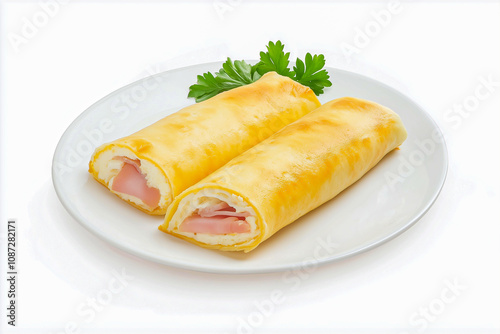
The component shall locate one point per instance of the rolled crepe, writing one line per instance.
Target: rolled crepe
(152, 166)
(284, 177)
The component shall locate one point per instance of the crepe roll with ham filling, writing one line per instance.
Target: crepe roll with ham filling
(152, 166)
(284, 177)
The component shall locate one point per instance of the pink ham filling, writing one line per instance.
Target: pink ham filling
(132, 182)
(216, 219)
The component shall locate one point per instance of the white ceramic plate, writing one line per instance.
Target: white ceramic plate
(383, 204)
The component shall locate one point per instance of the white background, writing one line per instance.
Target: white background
(436, 53)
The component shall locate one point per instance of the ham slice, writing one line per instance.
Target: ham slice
(214, 225)
(131, 181)
(219, 218)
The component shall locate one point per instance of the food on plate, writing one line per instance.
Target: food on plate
(152, 166)
(284, 177)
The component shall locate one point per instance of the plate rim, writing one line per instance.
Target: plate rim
(227, 270)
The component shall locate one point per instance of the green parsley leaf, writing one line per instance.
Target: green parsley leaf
(206, 87)
(230, 76)
(238, 73)
(275, 59)
(311, 74)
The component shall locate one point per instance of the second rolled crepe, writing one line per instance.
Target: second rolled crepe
(152, 166)
(284, 177)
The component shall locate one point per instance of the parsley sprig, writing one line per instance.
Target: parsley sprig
(239, 73)
(275, 59)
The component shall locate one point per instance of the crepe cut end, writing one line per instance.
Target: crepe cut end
(216, 219)
(213, 218)
(131, 181)
(134, 179)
